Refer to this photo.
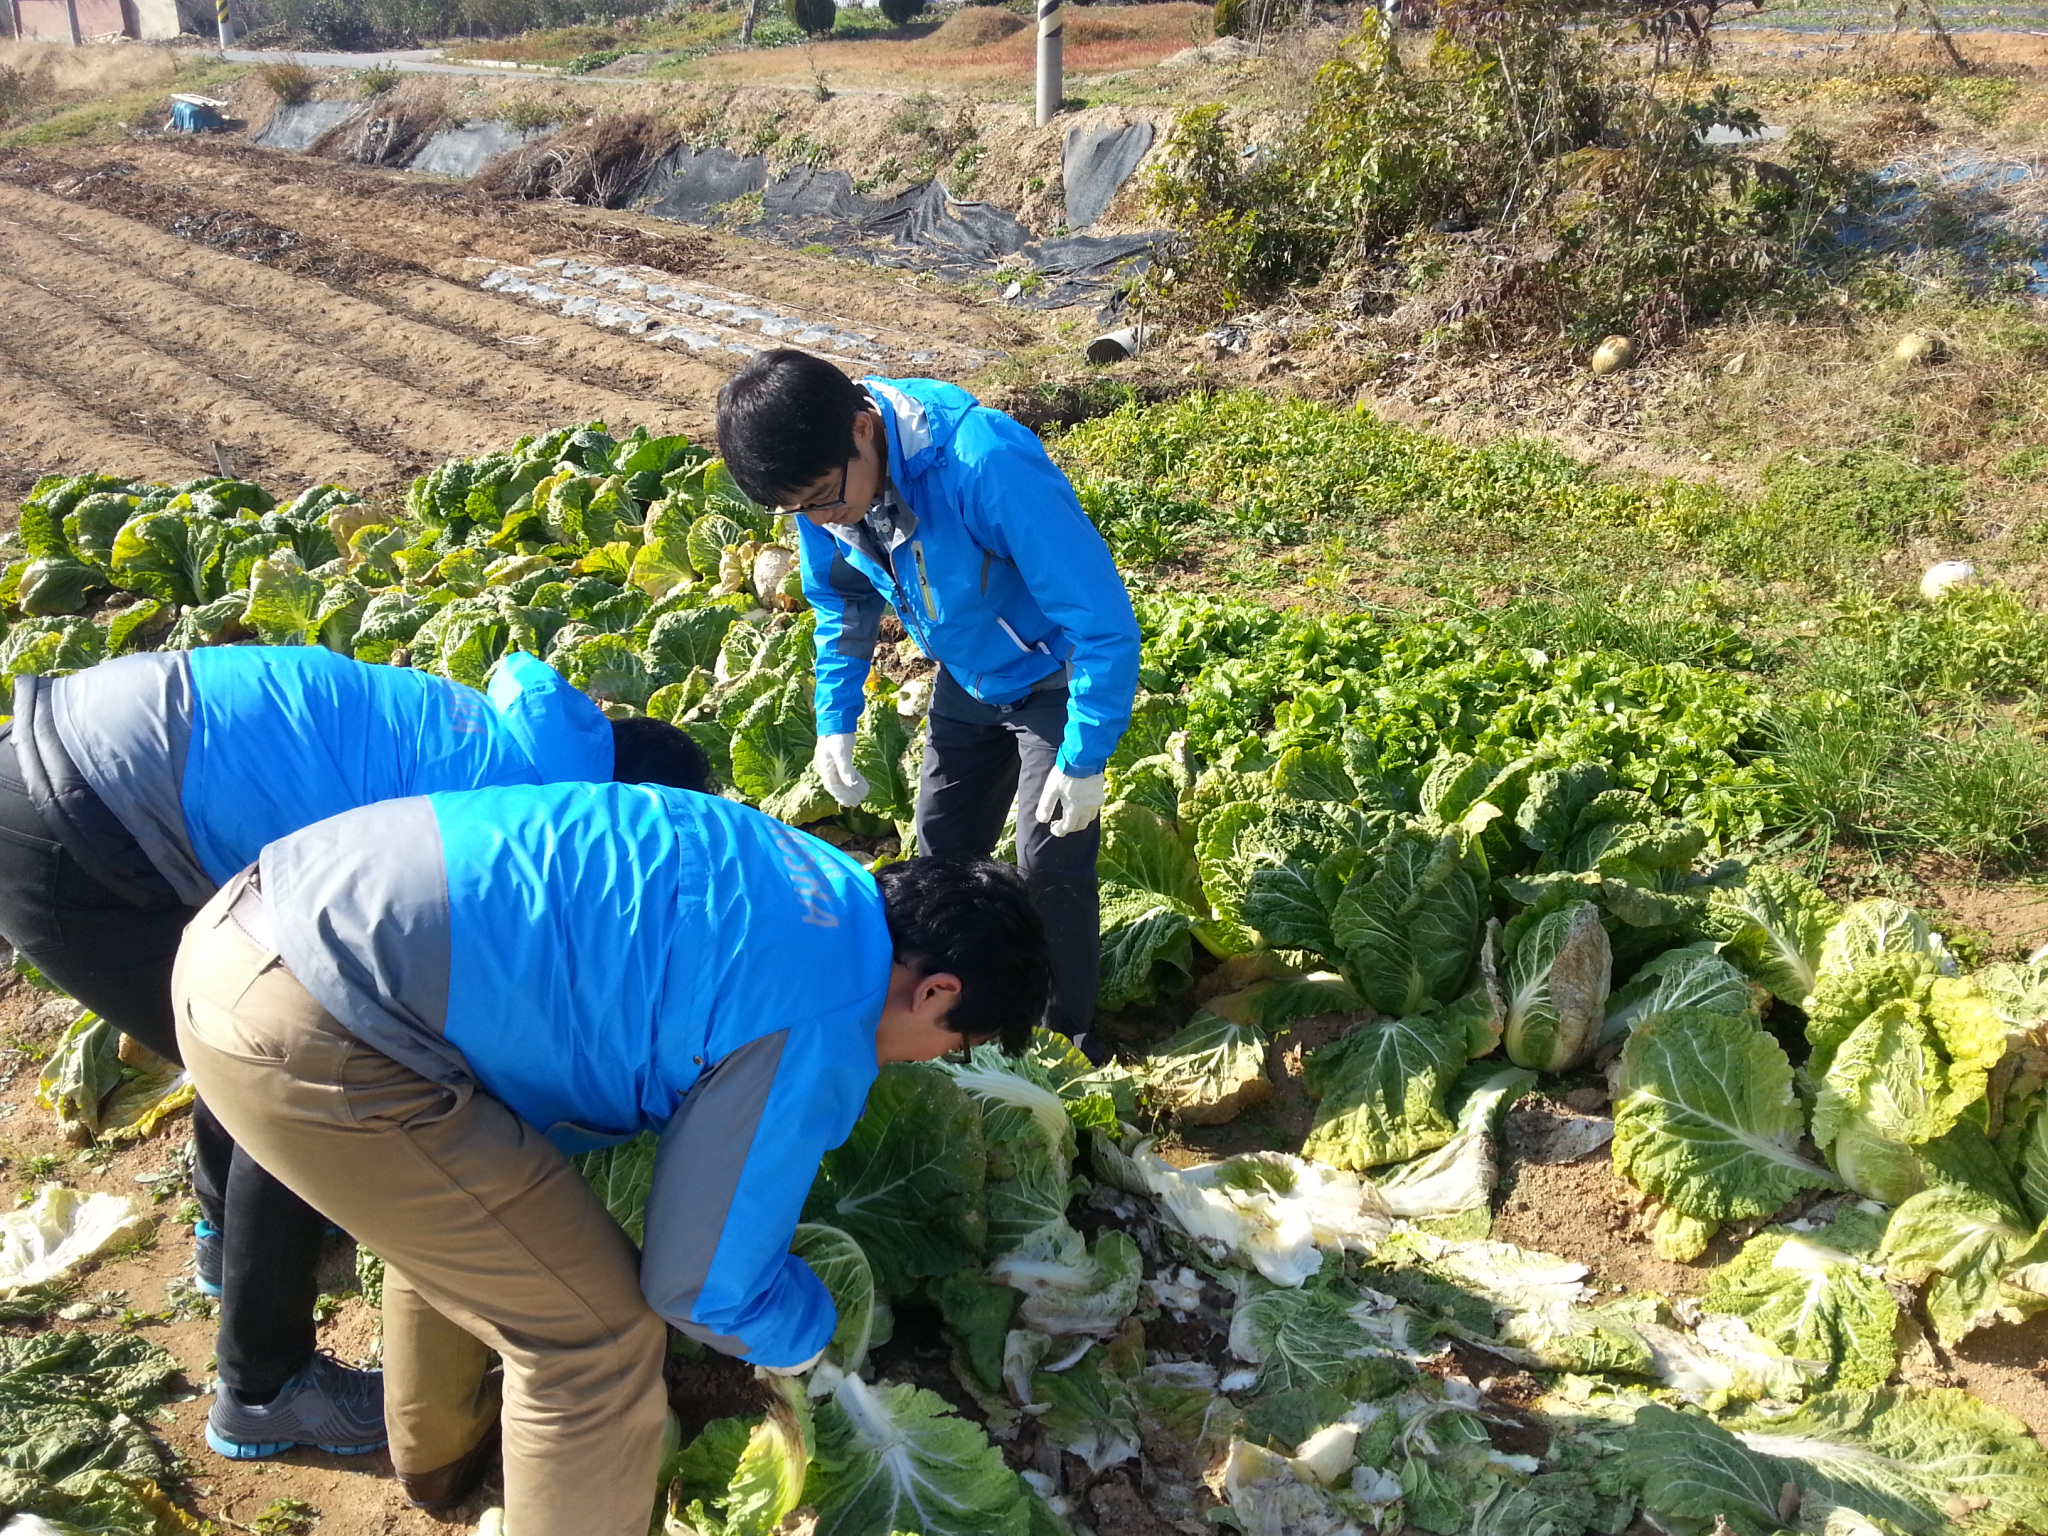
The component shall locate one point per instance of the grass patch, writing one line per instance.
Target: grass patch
(1893, 724)
(1519, 513)
(111, 116)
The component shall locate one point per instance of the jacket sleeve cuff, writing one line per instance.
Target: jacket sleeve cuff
(1077, 767)
(839, 719)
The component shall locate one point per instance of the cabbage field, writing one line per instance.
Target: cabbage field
(1426, 872)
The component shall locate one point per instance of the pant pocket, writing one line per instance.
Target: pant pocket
(28, 892)
(220, 1003)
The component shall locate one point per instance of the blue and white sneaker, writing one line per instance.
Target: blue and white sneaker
(327, 1405)
(206, 1257)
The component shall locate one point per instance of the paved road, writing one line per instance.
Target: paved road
(423, 61)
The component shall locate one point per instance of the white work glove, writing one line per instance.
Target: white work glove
(1074, 802)
(794, 1370)
(834, 762)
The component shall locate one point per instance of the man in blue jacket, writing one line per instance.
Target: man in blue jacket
(411, 1012)
(132, 791)
(914, 496)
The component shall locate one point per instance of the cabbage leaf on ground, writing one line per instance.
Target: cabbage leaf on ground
(1816, 1296)
(1902, 1455)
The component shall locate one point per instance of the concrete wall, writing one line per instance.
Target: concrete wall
(154, 21)
(44, 21)
(51, 21)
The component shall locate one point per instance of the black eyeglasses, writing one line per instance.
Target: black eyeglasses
(833, 505)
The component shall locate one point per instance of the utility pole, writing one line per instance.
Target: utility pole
(1051, 60)
(227, 25)
(71, 14)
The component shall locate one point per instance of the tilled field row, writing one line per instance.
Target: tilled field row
(116, 321)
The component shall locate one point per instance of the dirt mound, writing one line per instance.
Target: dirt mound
(598, 162)
(975, 26)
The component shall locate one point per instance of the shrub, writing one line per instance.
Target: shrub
(290, 83)
(812, 17)
(380, 80)
(1249, 18)
(1524, 182)
(20, 91)
(902, 12)
(529, 114)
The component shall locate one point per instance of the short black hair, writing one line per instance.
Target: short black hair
(649, 751)
(785, 421)
(977, 920)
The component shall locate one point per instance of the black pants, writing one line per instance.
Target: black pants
(115, 959)
(978, 760)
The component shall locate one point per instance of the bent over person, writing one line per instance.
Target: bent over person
(411, 1012)
(911, 494)
(130, 792)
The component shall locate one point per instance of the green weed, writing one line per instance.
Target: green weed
(286, 1517)
(1983, 99)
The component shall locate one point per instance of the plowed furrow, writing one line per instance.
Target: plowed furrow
(571, 346)
(53, 432)
(94, 361)
(421, 355)
(234, 345)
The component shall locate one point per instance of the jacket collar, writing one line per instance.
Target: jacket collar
(908, 426)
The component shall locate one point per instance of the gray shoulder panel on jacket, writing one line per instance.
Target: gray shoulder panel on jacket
(697, 1173)
(127, 725)
(359, 905)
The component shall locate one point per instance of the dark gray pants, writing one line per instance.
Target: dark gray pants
(978, 760)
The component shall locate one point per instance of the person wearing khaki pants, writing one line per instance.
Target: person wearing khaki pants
(519, 1256)
(390, 1003)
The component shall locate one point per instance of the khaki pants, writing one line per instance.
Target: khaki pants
(490, 1240)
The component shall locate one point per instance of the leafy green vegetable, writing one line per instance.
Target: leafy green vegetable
(1410, 925)
(623, 1176)
(1965, 1245)
(1211, 1070)
(1692, 976)
(1813, 1301)
(172, 556)
(69, 1402)
(1901, 1455)
(1381, 1091)
(1460, 1175)
(1299, 1339)
(1901, 1078)
(1091, 1406)
(1705, 1119)
(1555, 973)
(1067, 1288)
(1773, 926)
(910, 1183)
(895, 1458)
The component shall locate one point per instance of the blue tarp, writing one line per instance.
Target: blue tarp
(190, 117)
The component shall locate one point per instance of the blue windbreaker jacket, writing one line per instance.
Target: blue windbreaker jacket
(614, 958)
(207, 755)
(1001, 579)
